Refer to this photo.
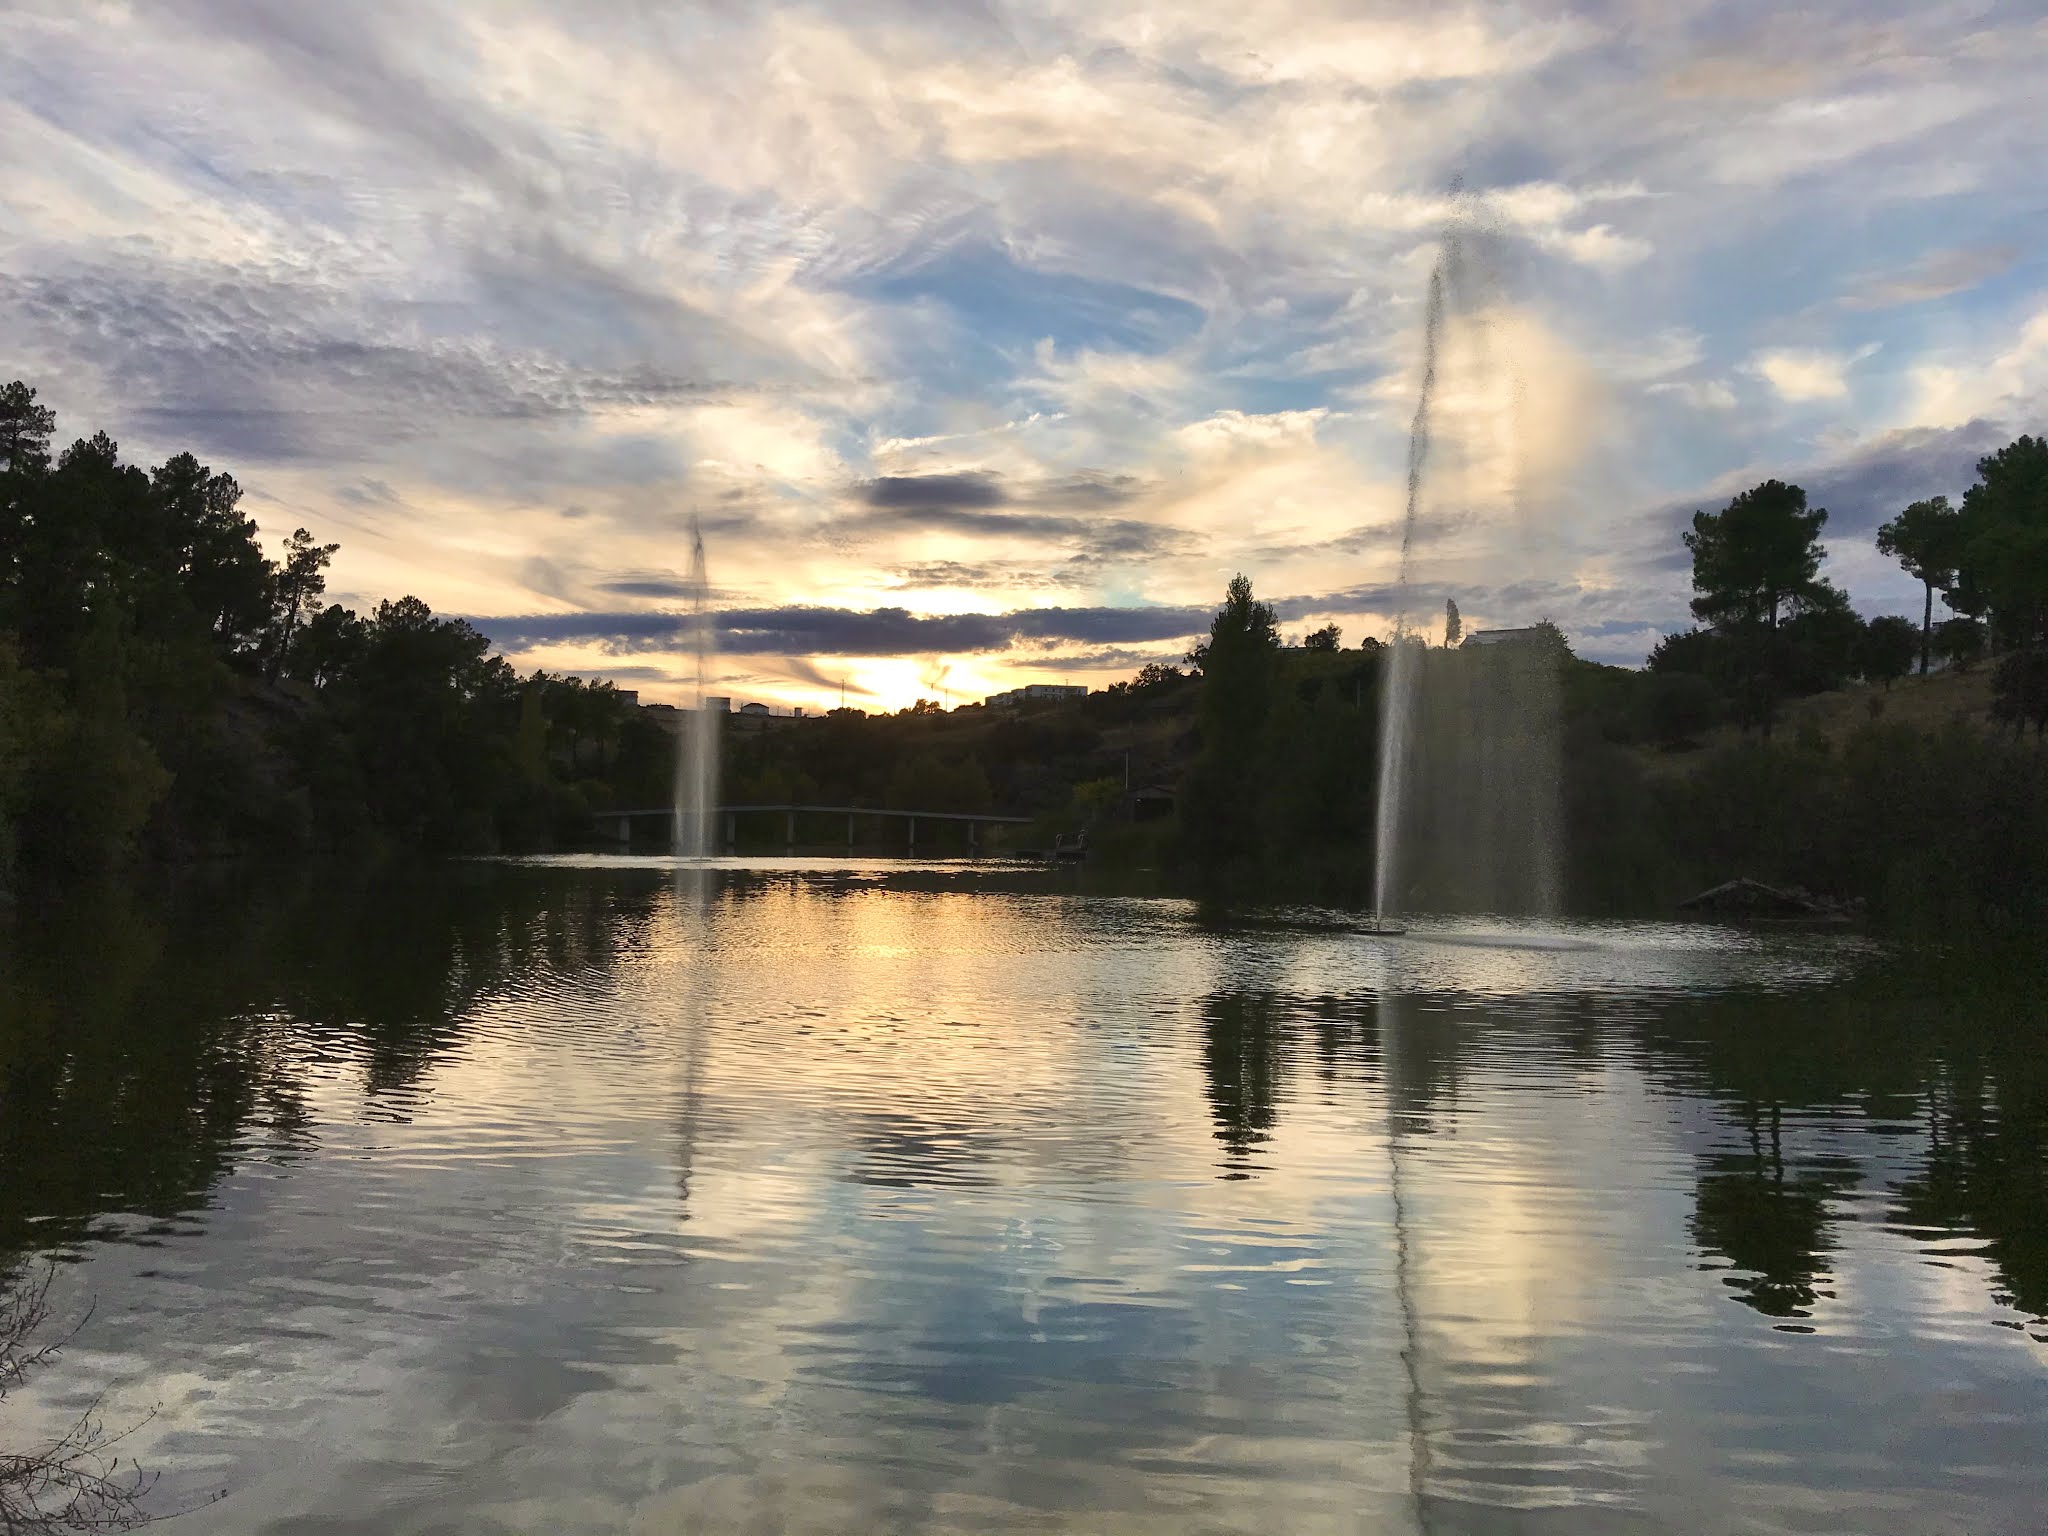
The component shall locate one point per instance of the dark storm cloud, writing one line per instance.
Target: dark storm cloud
(809, 631)
(1860, 490)
(1899, 468)
(980, 503)
(922, 493)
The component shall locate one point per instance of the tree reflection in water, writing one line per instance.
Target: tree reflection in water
(1241, 1063)
(147, 1046)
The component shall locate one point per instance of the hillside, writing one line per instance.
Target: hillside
(1925, 704)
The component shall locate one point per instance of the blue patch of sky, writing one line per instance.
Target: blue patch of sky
(1262, 396)
(1004, 308)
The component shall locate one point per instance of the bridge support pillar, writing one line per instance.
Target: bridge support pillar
(849, 829)
(789, 832)
(913, 834)
(973, 839)
(732, 832)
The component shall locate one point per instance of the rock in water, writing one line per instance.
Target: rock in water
(1752, 898)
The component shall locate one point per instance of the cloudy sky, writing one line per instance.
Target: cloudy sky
(987, 340)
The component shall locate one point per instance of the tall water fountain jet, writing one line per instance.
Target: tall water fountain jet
(1469, 814)
(696, 800)
(1403, 657)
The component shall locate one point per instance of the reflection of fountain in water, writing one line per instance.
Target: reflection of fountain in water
(1391, 1068)
(696, 798)
(1469, 813)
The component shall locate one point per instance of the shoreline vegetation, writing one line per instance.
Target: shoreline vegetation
(169, 694)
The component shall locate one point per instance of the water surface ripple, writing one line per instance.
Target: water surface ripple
(583, 1196)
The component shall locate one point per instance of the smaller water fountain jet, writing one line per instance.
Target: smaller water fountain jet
(696, 796)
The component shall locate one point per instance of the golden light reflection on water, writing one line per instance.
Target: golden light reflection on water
(835, 1199)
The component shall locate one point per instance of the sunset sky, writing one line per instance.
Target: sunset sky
(986, 341)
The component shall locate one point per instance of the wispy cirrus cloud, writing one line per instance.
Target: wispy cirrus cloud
(925, 317)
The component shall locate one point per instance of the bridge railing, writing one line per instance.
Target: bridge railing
(730, 814)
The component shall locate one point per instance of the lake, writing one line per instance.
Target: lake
(592, 1196)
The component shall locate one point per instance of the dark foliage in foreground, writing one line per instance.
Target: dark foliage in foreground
(167, 688)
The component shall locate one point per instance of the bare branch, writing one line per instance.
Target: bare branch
(78, 1482)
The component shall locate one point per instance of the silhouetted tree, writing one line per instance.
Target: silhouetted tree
(1959, 642)
(1454, 627)
(1887, 652)
(1324, 639)
(1237, 665)
(1692, 650)
(199, 537)
(25, 430)
(1926, 539)
(2002, 573)
(301, 581)
(1753, 564)
(2002, 569)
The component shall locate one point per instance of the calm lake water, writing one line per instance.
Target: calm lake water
(586, 1197)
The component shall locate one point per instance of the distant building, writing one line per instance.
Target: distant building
(1036, 693)
(631, 696)
(717, 703)
(1501, 636)
(754, 709)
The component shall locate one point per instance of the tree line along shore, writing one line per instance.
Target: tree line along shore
(170, 692)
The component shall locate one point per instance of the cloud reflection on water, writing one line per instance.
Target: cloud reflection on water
(828, 1200)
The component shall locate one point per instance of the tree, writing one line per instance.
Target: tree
(1821, 646)
(1324, 639)
(1926, 539)
(328, 647)
(1887, 649)
(301, 582)
(2002, 566)
(1959, 642)
(1156, 675)
(1697, 651)
(25, 430)
(199, 533)
(1237, 664)
(1243, 626)
(1454, 627)
(1754, 563)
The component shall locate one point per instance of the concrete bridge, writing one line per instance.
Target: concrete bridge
(622, 821)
